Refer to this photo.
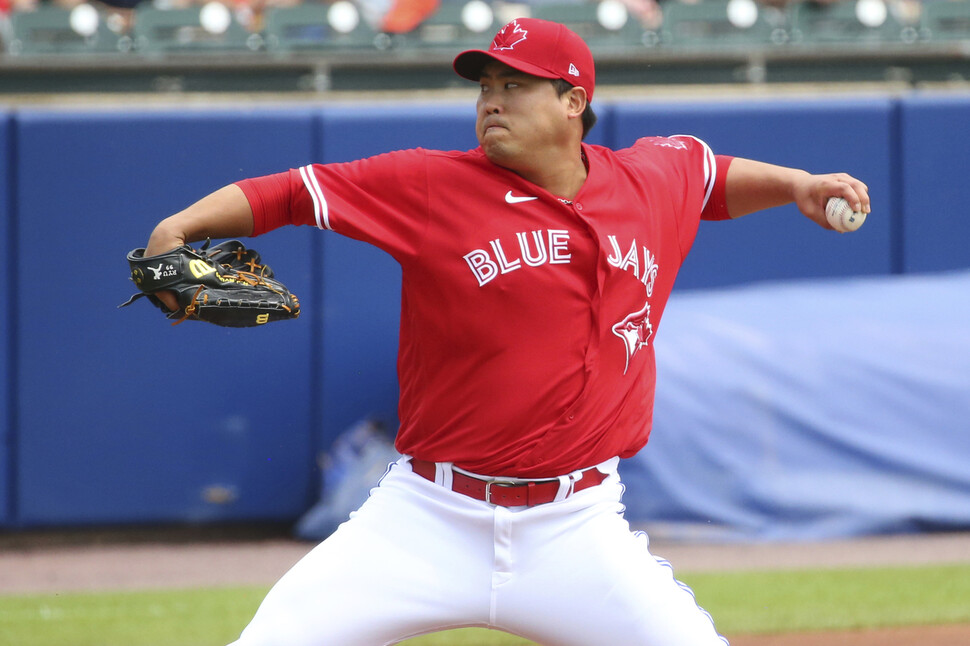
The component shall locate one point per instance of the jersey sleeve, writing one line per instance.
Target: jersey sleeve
(382, 200)
(701, 170)
(274, 201)
(716, 207)
(686, 172)
(715, 180)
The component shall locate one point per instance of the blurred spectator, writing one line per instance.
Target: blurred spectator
(11, 6)
(907, 12)
(397, 16)
(647, 12)
(405, 15)
(248, 13)
(784, 3)
(251, 13)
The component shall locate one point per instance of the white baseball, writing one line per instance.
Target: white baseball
(841, 216)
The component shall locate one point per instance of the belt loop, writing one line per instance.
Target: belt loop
(565, 487)
(444, 474)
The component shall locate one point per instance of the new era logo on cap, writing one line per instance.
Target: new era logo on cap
(538, 47)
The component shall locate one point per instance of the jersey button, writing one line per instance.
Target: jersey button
(579, 206)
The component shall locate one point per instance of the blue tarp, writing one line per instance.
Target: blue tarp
(807, 411)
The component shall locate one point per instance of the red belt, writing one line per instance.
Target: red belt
(508, 493)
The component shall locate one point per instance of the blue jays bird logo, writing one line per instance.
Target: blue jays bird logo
(635, 331)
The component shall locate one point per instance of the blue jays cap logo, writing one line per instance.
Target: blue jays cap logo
(510, 35)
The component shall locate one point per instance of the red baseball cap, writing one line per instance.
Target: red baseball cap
(538, 47)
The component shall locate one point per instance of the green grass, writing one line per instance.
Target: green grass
(741, 602)
(193, 617)
(804, 600)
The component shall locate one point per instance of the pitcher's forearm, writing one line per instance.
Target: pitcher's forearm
(756, 186)
(223, 214)
(752, 186)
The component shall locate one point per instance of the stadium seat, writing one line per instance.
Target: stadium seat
(849, 22)
(173, 30)
(308, 27)
(945, 20)
(49, 30)
(584, 18)
(722, 23)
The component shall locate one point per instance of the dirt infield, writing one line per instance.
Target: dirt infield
(67, 563)
(909, 636)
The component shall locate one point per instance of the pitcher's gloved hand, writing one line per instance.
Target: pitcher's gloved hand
(225, 285)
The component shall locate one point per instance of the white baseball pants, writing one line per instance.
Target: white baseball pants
(418, 558)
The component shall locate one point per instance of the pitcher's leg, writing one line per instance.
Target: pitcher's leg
(587, 579)
(408, 561)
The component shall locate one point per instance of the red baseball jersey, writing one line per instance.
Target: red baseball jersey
(527, 321)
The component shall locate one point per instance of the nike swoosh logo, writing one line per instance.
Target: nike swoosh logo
(516, 199)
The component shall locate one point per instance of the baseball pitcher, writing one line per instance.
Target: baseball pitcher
(536, 269)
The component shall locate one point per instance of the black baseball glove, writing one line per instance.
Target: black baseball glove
(225, 285)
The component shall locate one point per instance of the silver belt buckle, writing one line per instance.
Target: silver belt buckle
(497, 483)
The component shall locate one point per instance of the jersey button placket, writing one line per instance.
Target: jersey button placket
(570, 412)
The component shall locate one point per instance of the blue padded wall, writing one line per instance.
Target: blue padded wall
(835, 135)
(7, 466)
(936, 140)
(114, 416)
(122, 417)
(357, 131)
